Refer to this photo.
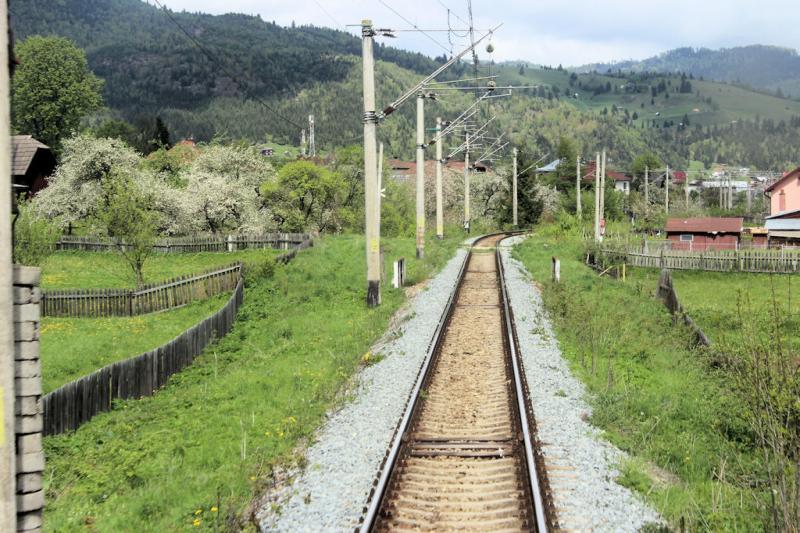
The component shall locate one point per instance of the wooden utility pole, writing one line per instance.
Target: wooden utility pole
(466, 186)
(439, 172)
(646, 188)
(578, 186)
(371, 191)
(666, 191)
(8, 502)
(420, 175)
(303, 143)
(597, 197)
(730, 193)
(514, 191)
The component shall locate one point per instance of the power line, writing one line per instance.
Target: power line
(322, 8)
(393, 10)
(222, 67)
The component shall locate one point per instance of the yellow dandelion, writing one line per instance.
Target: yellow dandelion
(252, 478)
(197, 512)
(196, 522)
(214, 509)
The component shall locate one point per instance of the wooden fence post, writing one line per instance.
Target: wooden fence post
(556, 269)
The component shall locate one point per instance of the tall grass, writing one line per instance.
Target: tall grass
(692, 448)
(194, 454)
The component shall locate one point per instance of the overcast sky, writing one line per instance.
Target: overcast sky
(571, 32)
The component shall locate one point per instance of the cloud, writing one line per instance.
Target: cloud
(568, 33)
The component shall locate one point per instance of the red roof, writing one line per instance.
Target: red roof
(587, 173)
(786, 177)
(705, 225)
(677, 176)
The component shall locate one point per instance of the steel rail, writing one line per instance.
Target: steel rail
(533, 476)
(380, 486)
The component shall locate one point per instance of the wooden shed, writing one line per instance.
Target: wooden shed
(32, 163)
(705, 233)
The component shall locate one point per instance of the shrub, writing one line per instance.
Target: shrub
(35, 237)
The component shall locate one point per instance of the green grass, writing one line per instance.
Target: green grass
(75, 347)
(726, 304)
(652, 394)
(211, 437)
(108, 270)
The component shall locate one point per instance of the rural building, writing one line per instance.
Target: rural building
(784, 194)
(31, 163)
(783, 228)
(705, 233)
(406, 171)
(622, 182)
(758, 237)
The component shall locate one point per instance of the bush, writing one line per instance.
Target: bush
(35, 237)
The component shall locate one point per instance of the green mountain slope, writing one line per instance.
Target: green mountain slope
(148, 62)
(764, 67)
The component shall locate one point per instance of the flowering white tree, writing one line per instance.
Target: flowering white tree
(222, 191)
(74, 191)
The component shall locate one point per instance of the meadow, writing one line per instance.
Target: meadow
(194, 454)
(74, 347)
(108, 270)
(651, 392)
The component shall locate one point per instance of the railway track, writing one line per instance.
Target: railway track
(464, 456)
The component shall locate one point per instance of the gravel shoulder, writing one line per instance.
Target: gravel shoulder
(581, 465)
(332, 490)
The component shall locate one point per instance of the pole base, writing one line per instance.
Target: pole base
(373, 293)
(440, 237)
(420, 253)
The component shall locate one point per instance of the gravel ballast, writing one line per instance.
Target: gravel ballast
(331, 492)
(582, 467)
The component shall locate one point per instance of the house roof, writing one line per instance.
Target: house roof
(409, 168)
(23, 150)
(705, 225)
(794, 213)
(677, 176)
(587, 173)
(552, 166)
(786, 177)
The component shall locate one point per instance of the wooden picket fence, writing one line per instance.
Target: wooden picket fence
(192, 244)
(69, 406)
(174, 293)
(745, 260)
(72, 404)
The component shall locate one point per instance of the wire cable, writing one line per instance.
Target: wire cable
(222, 67)
(393, 10)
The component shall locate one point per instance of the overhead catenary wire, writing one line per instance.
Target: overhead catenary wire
(423, 32)
(219, 64)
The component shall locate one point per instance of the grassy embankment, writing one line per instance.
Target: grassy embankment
(193, 455)
(729, 305)
(74, 347)
(653, 396)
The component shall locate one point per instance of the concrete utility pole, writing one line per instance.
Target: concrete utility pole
(514, 217)
(371, 191)
(646, 188)
(466, 186)
(730, 193)
(420, 176)
(578, 186)
(721, 200)
(603, 186)
(303, 143)
(597, 197)
(666, 191)
(380, 176)
(439, 172)
(312, 147)
(8, 502)
(686, 190)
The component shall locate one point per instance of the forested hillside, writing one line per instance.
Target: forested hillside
(771, 68)
(240, 77)
(148, 63)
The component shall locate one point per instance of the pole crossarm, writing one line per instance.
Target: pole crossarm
(391, 108)
(492, 149)
(466, 115)
(475, 135)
